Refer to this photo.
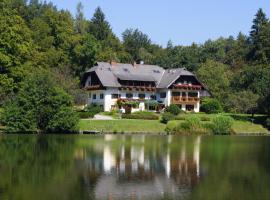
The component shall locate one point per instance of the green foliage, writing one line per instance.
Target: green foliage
(192, 124)
(91, 110)
(173, 109)
(243, 102)
(222, 125)
(210, 105)
(141, 115)
(39, 105)
(166, 117)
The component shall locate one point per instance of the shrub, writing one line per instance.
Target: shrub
(181, 117)
(173, 109)
(205, 118)
(267, 123)
(141, 115)
(171, 126)
(85, 114)
(90, 111)
(192, 124)
(222, 125)
(210, 105)
(166, 117)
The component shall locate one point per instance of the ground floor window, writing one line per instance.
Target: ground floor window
(162, 95)
(190, 107)
(94, 96)
(129, 96)
(116, 96)
(141, 96)
(101, 96)
(153, 97)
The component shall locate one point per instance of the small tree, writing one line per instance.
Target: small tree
(210, 105)
(174, 109)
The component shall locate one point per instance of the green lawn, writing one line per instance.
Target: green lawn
(123, 125)
(245, 127)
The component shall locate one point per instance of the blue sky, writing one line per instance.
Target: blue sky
(182, 21)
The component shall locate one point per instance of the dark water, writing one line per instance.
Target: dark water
(134, 167)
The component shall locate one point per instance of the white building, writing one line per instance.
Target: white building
(140, 86)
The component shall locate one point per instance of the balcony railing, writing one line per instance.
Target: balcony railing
(138, 88)
(93, 87)
(178, 99)
(187, 87)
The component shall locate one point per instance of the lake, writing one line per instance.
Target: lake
(74, 167)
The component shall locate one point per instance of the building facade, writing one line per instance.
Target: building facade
(142, 87)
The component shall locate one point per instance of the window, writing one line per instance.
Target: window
(163, 95)
(193, 94)
(129, 96)
(176, 94)
(116, 96)
(101, 96)
(94, 96)
(190, 107)
(89, 95)
(153, 97)
(141, 96)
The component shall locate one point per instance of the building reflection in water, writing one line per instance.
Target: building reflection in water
(136, 167)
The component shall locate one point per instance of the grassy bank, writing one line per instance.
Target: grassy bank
(154, 126)
(123, 125)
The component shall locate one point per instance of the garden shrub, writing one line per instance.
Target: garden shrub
(166, 117)
(181, 117)
(192, 124)
(92, 110)
(205, 118)
(210, 105)
(141, 115)
(222, 125)
(267, 123)
(173, 109)
(171, 126)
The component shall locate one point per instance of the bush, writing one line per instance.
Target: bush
(210, 106)
(173, 109)
(166, 117)
(267, 123)
(222, 125)
(205, 118)
(141, 115)
(85, 114)
(171, 126)
(192, 124)
(90, 111)
(181, 117)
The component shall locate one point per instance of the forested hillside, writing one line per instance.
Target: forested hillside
(36, 36)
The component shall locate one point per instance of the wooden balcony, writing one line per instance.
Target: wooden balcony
(187, 87)
(181, 100)
(138, 88)
(94, 87)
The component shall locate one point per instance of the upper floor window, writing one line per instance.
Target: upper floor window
(193, 94)
(101, 96)
(94, 96)
(129, 95)
(153, 97)
(141, 96)
(162, 95)
(116, 96)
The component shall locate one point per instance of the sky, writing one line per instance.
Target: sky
(181, 21)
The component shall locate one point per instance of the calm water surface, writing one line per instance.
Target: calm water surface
(134, 167)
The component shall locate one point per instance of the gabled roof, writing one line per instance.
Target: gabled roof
(109, 74)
